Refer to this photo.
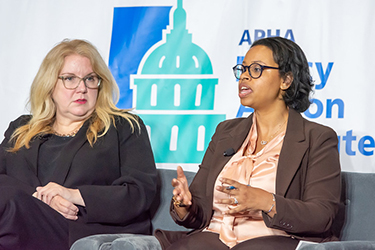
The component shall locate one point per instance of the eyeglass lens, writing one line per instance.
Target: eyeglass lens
(255, 70)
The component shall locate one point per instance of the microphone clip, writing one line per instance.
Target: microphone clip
(229, 152)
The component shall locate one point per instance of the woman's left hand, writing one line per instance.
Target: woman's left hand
(64, 207)
(244, 198)
(52, 189)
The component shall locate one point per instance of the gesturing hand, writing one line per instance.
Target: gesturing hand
(181, 188)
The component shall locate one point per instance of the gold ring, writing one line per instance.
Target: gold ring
(177, 203)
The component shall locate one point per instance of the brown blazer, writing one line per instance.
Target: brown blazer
(308, 183)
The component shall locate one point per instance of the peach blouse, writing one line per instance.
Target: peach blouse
(257, 170)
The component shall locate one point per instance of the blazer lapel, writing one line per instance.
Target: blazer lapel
(67, 155)
(31, 155)
(292, 152)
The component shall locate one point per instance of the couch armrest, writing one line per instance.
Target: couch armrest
(117, 242)
(341, 245)
(137, 242)
(95, 242)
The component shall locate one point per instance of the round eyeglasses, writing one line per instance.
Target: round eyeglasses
(255, 70)
(72, 81)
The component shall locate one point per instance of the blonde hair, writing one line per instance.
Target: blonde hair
(43, 109)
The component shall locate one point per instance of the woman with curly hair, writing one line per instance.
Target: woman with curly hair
(266, 181)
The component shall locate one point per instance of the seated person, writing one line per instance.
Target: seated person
(77, 165)
(266, 181)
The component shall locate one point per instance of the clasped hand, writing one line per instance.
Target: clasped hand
(243, 198)
(59, 198)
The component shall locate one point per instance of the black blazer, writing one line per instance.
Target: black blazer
(117, 176)
(308, 182)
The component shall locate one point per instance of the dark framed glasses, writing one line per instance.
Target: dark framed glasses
(255, 70)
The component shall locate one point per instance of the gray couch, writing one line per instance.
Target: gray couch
(355, 225)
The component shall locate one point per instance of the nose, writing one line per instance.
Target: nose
(245, 76)
(245, 73)
(81, 87)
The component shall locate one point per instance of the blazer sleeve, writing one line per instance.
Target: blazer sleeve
(5, 144)
(131, 195)
(314, 211)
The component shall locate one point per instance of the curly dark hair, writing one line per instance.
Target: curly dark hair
(291, 59)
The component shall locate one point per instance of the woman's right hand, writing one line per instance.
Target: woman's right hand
(181, 192)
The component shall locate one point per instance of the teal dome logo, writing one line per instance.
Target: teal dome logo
(174, 94)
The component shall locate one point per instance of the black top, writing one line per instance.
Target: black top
(49, 154)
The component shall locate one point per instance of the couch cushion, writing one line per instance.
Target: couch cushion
(343, 245)
(358, 196)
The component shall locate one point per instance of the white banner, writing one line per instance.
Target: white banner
(182, 100)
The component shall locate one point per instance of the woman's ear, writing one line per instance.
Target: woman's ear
(287, 81)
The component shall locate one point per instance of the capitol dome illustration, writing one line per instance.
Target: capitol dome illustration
(174, 92)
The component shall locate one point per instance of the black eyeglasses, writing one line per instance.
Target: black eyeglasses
(91, 81)
(255, 70)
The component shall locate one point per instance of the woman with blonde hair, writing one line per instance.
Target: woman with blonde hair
(77, 165)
